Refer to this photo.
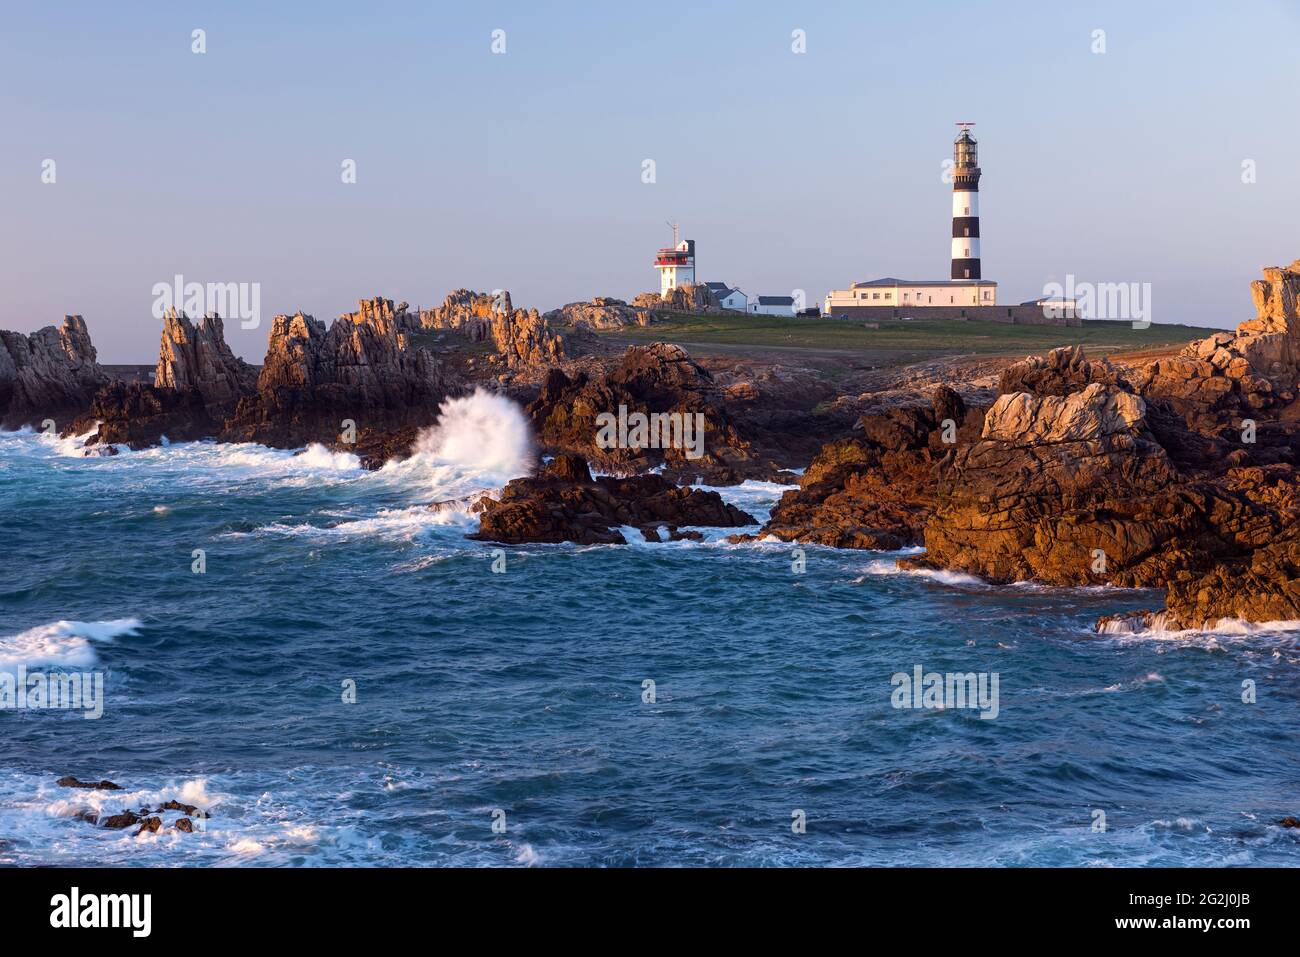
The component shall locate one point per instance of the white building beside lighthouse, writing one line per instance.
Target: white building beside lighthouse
(965, 288)
(676, 264)
(914, 293)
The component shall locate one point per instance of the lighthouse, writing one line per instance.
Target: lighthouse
(676, 263)
(965, 294)
(965, 206)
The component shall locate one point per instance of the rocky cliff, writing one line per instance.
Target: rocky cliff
(521, 336)
(139, 415)
(1077, 490)
(197, 357)
(1216, 383)
(362, 368)
(1180, 474)
(1050, 480)
(51, 374)
(197, 384)
(656, 379)
(875, 490)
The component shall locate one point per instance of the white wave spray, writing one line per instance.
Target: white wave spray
(64, 644)
(483, 433)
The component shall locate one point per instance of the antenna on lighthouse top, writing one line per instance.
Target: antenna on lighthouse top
(965, 125)
(675, 239)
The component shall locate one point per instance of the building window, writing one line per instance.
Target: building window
(987, 294)
(875, 295)
(967, 211)
(950, 298)
(968, 271)
(968, 255)
(907, 295)
(967, 230)
(889, 295)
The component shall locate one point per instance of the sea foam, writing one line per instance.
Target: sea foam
(942, 576)
(1161, 627)
(63, 644)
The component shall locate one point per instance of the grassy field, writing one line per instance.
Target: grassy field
(916, 337)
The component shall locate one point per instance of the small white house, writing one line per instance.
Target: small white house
(772, 305)
(728, 297)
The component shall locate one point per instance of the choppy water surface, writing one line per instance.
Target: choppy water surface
(523, 692)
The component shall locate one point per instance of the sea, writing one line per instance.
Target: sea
(316, 656)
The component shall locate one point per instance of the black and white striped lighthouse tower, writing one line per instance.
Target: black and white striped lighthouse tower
(965, 206)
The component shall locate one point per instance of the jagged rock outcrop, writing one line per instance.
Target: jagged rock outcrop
(140, 416)
(197, 384)
(1022, 419)
(197, 357)
(53, 373)
(521, 336)
(1265, 586)
(698, 298)
(1060, 372)
(600, 312)
(1078, 490)
(875, 490)
(1050, 483)
(659, 379)
(562, 503)
(1203, 398)
(1200, 401)
(362, 368)
(1256, 366)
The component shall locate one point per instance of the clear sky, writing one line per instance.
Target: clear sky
(523, 170)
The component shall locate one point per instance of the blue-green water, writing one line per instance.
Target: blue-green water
(522, 692)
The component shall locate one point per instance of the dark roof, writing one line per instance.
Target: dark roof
(776, 300)
(717, 285)
(890, 281)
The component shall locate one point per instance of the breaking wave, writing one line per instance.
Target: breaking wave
(63, 644)
(482, 432)
(960, 579)
(1162, 626)
(71, 446)
(406, 524)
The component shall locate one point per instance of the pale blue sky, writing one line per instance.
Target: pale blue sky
(523, 170)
